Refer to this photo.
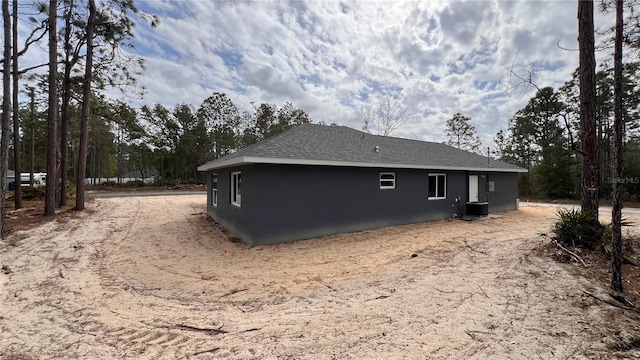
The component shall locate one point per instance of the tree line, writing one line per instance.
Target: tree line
(154, 141)
(582, 140)
(65, 126)
(85, 41)
(543, 137)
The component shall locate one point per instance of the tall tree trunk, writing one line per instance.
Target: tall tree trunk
(86, 109)
(32, 120)
(586, 44)
(52, 116)
(616, 212)
(6, 111)
(16, 119)
(64, 113)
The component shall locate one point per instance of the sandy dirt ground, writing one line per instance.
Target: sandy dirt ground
(151, 278)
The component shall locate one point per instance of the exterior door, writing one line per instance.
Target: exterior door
(473, 188)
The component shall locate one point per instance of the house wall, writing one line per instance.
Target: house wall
(304, 202)
(283, 203)
(505, 192)
(237, 219)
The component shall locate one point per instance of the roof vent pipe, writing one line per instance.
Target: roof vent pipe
(376, 148)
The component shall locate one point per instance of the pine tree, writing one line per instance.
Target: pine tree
(461, 134)
(587, 71)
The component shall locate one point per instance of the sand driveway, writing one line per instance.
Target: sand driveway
(151, 278)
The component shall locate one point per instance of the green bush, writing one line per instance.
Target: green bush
(132, 184)
(627, 238)
(128, 184)
(29, 192)
(575, 227)
(581, 229)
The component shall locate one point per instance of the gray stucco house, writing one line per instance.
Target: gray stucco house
(316, 180)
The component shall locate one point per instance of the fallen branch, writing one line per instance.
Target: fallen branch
(474, 250)
(472, 333)
(444, 291)
(481, 289)
(611, 302)
(209, 331)
(234, 291)
(379, 297)
(206, 351)
(622, 299)
(330, 287)
(575, 256)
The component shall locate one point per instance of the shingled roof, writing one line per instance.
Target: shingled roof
(311, 144)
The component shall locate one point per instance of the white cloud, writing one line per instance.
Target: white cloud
(328, 57)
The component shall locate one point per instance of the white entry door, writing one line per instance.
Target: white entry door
(473, 188)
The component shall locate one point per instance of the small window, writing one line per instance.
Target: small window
(387, 180)
(236, 192)
(214, 189)
(437, 186)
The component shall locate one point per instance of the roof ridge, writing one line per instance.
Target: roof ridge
(346, 146)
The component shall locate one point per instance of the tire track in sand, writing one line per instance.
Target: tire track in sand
(142, 334)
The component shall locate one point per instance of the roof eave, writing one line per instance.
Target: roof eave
(242, 160)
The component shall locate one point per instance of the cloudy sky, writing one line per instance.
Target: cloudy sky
(330, 58)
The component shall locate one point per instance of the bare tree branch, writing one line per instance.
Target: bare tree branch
(31, 39)
(525, 80)
(383, 117)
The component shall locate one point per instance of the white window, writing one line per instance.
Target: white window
(214, 189)
(437, 186)
(236, 193)
(387, 180)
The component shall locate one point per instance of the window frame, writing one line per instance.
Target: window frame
(436, 176)
(236, 188)
(214, 189)
(393, 180)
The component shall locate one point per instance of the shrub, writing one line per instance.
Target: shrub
(132, 184)
(581, 229)
(29, 192)
(627, 242)
(578, 228)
